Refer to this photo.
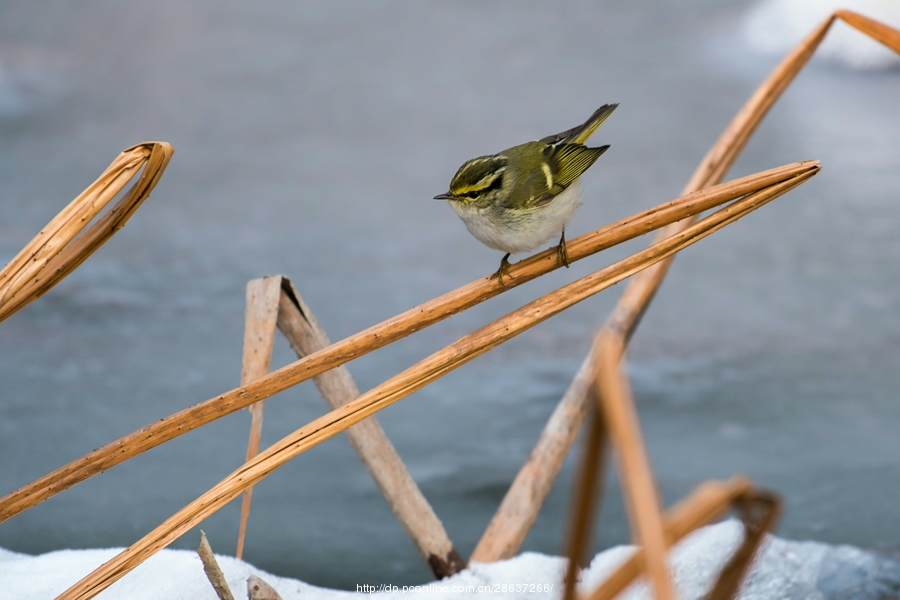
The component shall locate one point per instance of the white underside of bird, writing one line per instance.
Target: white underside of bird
(521, 232)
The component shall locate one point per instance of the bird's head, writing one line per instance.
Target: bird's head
(478, 182)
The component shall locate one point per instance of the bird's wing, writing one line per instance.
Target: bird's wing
(568, 161)
(562, 165)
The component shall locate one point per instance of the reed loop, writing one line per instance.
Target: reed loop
(55, 251)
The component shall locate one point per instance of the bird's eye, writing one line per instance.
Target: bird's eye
(472, 194)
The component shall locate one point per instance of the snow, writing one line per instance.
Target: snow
(776, 26)
(786, 569)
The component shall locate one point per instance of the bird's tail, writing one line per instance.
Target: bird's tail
(580, 134)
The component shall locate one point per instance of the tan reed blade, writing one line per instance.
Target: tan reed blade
(435, 366)
(759, 510)
(260, 319)
(377, 336)
(53, 254)
(298, 324)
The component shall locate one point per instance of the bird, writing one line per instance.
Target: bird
(520, 198)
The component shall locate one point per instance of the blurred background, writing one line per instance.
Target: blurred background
(310, 139)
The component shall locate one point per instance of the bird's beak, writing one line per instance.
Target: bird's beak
(447, 196)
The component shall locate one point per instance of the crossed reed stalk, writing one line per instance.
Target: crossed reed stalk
(615, 405)
(753, 190)
(53, 254)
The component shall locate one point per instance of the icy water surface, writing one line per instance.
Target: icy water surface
(310, 139)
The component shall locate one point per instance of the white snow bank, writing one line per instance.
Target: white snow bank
(776, 26)
(785, 570)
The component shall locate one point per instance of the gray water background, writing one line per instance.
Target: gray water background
(309, 141)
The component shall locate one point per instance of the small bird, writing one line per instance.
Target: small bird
(519, 198)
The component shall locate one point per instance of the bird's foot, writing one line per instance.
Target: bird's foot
(503, 270)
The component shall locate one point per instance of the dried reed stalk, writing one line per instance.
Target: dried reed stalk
(638, 484)
(588, 490)
(435, 366)
(386, 332)
(640, 291)
(721, 156)
(888, 36)
(759, 510)
(53, 254)
(260, 319)
(298, 324)
(519, 508)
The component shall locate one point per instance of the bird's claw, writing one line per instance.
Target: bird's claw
(503, 270)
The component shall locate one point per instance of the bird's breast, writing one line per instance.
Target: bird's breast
(520, 230)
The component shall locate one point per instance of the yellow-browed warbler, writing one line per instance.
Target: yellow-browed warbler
(519, 198)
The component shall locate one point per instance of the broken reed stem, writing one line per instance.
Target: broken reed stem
(416, 377)
(519, 508)
(212, 570)
(298, 324)
(759, 511)
(261, 316)
(386, 332)
(53, 254)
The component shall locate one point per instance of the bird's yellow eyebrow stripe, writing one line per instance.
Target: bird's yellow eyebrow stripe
(482, 183)
(546, 169)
